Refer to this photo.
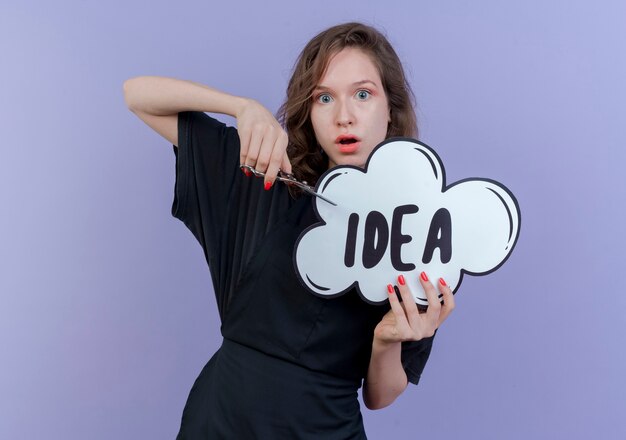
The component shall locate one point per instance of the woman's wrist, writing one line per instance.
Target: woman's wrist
(381, 347)
(217, 101)
(241, 104)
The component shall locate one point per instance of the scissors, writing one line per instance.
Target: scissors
(289, 178)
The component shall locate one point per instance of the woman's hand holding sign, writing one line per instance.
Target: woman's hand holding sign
(404, 322)
(386, 378)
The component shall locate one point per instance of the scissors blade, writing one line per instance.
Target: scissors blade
(309, 190)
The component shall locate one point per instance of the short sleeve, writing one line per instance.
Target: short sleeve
(207, 181)
(414, 357)
(207, 160)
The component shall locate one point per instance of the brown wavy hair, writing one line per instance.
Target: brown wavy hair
(306, 156)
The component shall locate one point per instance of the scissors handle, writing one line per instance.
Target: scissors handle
(289, 178)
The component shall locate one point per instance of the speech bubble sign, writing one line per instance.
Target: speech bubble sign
(398, 216)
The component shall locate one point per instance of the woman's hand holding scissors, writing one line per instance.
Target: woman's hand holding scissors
(263, 141)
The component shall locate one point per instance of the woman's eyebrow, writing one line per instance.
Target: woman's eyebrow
(354, 84)
(365, 81)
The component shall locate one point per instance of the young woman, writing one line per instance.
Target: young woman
(291, 363)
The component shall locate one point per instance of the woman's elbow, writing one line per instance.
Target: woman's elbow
(379, 402)
(373, 405)
(130, 87)
(374, 401)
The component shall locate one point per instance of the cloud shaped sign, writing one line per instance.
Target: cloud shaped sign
(398, 216)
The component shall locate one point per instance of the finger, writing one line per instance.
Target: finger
(267, 145)
(256, 137)
(409, 303)
(244, 143)
(434, 306)
(396, 308)
(448, 301)
(285, 164)
(275, 160)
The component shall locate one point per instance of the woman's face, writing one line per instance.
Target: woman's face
(350, 112)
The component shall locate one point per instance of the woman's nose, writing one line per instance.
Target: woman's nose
(345, 115)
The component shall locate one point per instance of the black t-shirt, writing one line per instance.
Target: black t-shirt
(248, 235)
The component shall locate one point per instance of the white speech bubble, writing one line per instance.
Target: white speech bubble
(397, 216)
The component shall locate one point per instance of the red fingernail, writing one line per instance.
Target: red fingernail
(268, 185)
(389, 289)
(401, 280)
(247, 172)
(442, 282)
(424, 277)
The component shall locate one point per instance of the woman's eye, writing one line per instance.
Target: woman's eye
(324, 98)
(363, 94)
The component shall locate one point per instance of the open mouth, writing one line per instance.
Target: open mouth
(348, 143)
(346, 139)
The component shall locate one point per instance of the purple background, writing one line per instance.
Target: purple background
(106, 310)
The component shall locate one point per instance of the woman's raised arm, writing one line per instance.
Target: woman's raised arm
(158, 100)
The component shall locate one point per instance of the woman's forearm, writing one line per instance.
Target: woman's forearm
(386, 378)
(161, 96)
